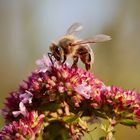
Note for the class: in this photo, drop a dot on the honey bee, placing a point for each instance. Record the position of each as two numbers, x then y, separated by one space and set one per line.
69 45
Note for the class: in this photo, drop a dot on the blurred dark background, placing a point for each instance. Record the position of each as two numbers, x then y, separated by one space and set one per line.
27 27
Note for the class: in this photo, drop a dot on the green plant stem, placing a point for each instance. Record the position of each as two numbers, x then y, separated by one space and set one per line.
110 129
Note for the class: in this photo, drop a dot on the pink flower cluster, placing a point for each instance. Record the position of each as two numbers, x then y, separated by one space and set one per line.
28 127
114 102
78 88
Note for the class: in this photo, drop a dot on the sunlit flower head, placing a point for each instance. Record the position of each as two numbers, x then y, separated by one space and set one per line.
63 93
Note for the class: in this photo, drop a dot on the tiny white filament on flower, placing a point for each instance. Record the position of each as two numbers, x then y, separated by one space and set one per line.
22 110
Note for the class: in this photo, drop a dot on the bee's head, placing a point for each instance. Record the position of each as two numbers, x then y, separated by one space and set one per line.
57 51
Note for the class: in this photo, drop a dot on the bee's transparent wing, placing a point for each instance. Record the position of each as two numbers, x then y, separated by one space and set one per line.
100 38
95 39
74 28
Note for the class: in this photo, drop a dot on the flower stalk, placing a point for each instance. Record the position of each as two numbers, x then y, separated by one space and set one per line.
109 130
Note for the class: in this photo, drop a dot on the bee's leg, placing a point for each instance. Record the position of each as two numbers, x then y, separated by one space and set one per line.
88 63
88 66
65 57
87 60
50 57
75 61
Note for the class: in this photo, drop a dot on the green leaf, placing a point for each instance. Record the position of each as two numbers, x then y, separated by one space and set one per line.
72 118
52 106
100 114
128 122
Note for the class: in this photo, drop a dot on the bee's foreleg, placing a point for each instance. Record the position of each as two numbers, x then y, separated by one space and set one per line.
50 57
75 61
65 57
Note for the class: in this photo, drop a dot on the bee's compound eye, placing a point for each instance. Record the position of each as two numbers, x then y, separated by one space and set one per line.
59 48
57 53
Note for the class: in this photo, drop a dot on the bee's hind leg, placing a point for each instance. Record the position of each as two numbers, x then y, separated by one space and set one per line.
75 61
88 66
